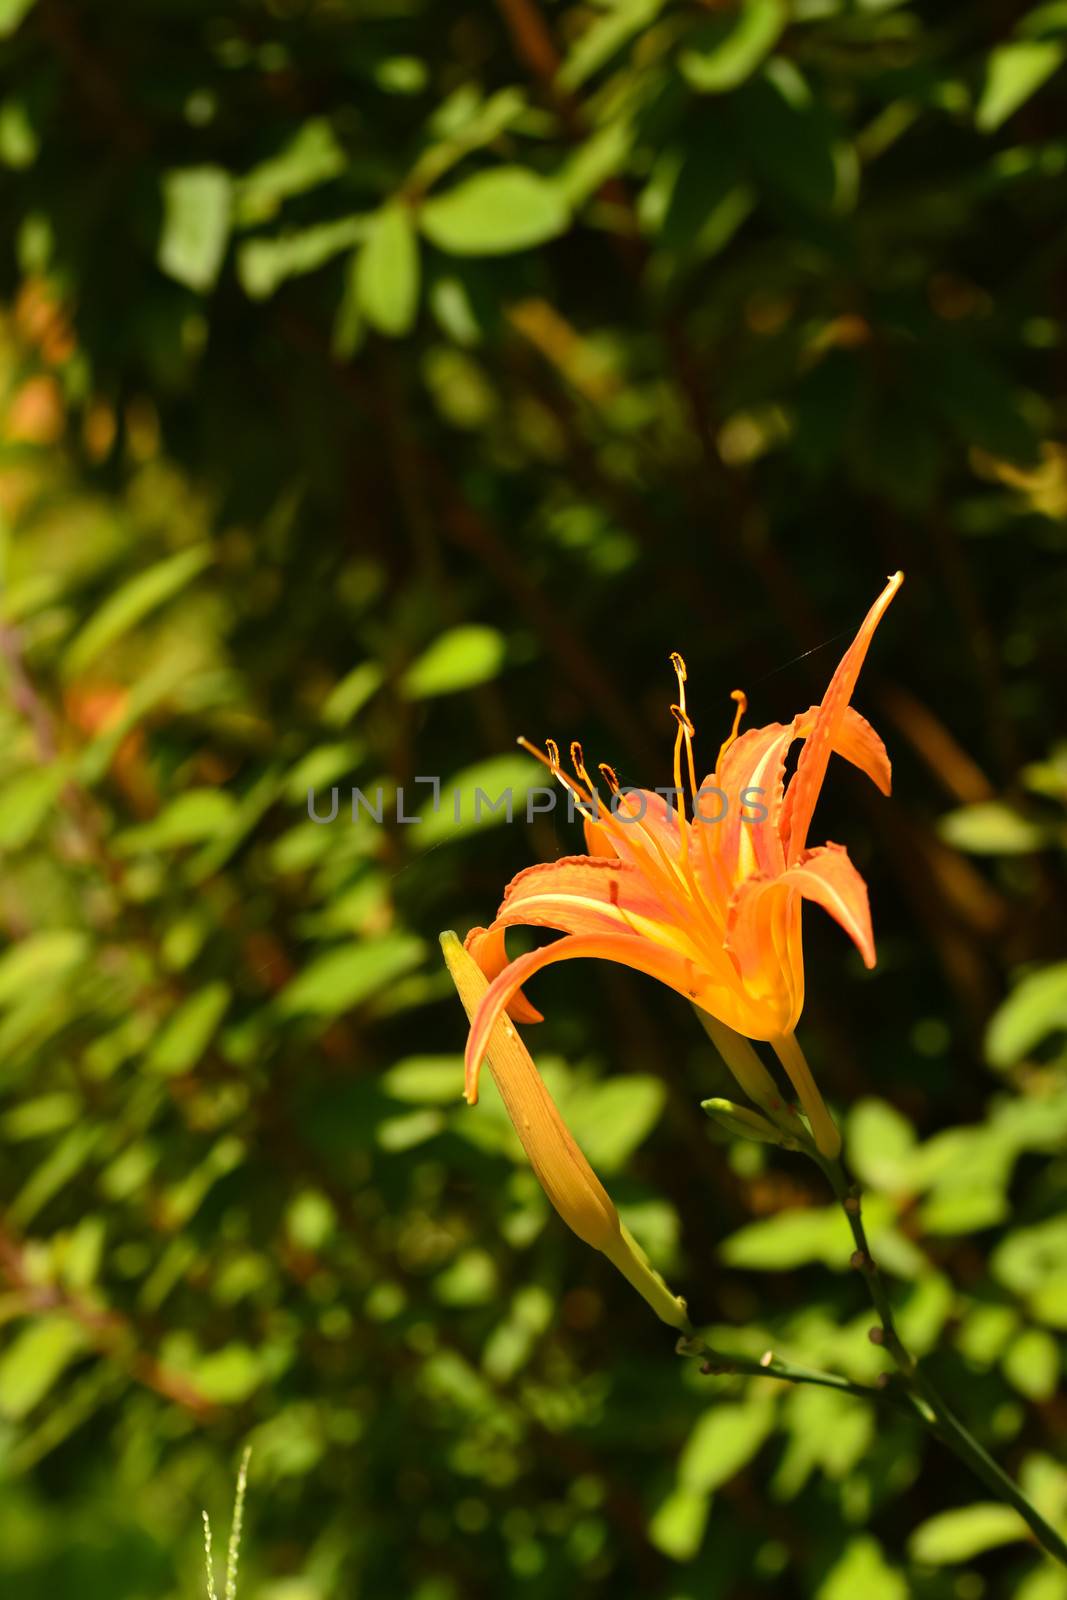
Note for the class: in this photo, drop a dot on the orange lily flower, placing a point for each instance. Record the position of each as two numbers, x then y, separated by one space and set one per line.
710 904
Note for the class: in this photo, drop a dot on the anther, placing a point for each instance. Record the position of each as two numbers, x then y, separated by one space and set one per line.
578 760
553 752
682 718
609 776
679 666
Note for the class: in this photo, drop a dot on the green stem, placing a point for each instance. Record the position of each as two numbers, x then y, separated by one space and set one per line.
927 1400
719 1362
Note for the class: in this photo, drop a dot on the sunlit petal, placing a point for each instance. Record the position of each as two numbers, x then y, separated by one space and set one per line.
811 768
629 950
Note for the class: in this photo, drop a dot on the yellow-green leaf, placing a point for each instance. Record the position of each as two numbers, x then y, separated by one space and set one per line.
131 603
495 213
197 202
388 272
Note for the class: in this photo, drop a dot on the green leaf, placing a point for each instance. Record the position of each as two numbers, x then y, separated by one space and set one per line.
229 1376
677 1526
192 817
26 802
426 1080
196 225
19 142
611 1119
1031 1364
388 272
924 1313
189 1031
604 37
12 13
863 1571
1035 1008
720 55
956 1208
880 1144
348 697
1028 1258
600 157
475 799
991 828
340 979
410 1130
827 1431
1015 71
495 213
1045 1583
45 1114
458 659
470 1280
264 264
1048 1301
34 1362
311 1220
131 603
724 1440
63 1160
312 157
321 768
985 1331
40 959
954 1536
791 1239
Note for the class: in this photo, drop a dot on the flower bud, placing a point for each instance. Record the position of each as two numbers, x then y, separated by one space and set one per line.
560 1167
746 1124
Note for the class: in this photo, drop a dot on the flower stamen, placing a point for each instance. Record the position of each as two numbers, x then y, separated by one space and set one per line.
741 699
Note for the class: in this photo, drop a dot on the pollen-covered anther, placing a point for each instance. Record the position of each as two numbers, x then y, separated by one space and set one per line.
553 753
609 776
740 699
681 716
578 762
679 666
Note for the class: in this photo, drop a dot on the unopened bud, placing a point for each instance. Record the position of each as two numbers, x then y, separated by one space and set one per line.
560 1167
745 1124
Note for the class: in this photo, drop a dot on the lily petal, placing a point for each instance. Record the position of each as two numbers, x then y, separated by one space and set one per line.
811 769
826 876
857 741
756 762
581 894
628 949
487 947
646 824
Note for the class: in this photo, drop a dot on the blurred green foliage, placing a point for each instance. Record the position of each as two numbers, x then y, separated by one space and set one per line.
379 382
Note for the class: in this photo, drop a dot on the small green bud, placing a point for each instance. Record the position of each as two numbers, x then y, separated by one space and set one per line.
746 1124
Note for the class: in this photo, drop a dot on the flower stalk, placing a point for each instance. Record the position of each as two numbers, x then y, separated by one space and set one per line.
926 1398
